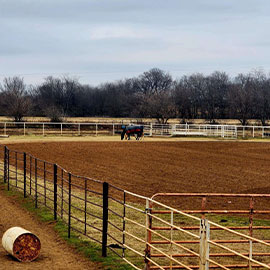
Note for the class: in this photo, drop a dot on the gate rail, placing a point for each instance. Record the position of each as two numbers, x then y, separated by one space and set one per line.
225 243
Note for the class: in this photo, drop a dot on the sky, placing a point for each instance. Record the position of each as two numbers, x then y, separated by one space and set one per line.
97 41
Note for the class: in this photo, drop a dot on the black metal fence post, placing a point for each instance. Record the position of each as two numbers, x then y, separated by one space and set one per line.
85 206
24 175
105 218
69 204
16 168
55 190
124 225
44 183
5 164
62 192
30 176
8 167
36 191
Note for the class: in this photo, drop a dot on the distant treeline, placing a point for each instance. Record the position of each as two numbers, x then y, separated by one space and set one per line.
153 94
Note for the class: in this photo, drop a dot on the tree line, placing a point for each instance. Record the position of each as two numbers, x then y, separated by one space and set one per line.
153 94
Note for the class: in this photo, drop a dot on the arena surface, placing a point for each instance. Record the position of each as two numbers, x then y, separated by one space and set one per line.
147 167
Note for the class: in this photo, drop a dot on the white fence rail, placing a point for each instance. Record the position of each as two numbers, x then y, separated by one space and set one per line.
44 128
152 129
224 131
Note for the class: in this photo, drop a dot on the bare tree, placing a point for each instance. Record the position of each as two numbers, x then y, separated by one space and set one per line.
241 98
182 99
261 93
194 86
15 98
58 95
153 81
153 91
214 95
162 107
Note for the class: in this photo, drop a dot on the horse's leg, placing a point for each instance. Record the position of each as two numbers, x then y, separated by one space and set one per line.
140 135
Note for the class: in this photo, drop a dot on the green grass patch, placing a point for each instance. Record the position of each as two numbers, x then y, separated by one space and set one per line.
90 250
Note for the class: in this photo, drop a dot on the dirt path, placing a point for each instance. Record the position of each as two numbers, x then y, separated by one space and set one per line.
55 253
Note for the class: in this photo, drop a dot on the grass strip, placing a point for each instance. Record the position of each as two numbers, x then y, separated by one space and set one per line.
90 250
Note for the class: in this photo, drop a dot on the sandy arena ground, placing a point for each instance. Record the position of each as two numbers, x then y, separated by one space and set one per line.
148 167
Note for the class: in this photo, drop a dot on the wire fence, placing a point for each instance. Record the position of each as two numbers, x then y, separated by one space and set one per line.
143 232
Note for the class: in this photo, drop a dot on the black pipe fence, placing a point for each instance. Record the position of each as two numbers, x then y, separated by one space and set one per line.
92 208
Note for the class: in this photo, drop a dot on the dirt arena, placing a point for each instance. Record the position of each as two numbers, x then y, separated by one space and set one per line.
150 167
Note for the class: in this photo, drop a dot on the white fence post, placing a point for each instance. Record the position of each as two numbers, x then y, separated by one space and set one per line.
204 245
148 225
24 129
173 129
171 247
250 254
5 129
151 130
79 129
43 129
96 129
113 130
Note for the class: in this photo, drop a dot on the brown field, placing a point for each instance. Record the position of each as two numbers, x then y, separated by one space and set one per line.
148 167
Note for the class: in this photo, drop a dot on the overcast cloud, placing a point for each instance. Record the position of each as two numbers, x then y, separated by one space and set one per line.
105 40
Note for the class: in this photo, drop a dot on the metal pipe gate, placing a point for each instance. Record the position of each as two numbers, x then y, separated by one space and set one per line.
238 241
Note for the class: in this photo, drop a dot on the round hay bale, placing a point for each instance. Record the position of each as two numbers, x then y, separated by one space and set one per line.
21 244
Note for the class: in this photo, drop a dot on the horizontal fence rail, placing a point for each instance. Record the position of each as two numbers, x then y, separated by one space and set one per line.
60 129
146 233
150 129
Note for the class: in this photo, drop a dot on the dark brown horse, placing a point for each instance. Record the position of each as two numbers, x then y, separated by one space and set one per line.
136 131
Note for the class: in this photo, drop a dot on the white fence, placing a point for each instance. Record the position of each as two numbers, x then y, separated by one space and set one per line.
152 129
45 128
224 131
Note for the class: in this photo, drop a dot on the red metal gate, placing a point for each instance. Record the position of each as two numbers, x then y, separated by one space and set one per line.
241 222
